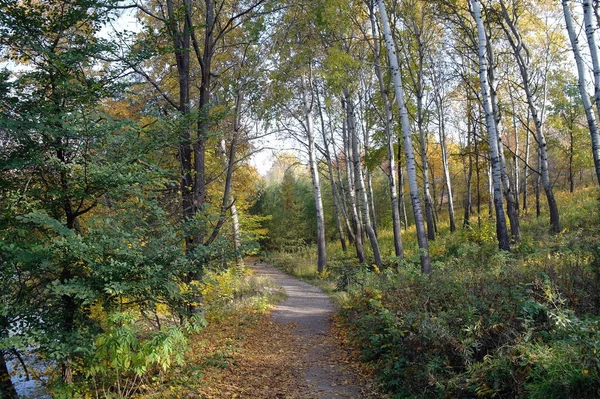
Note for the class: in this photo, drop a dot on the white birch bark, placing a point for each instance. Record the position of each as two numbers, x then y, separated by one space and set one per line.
591 119
233 210
334 191
314 172
356 222
511 203
361 191
408 148
501 228
517 45
392 178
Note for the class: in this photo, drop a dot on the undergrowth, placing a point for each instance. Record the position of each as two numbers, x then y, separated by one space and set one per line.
143 356
235 300
485 323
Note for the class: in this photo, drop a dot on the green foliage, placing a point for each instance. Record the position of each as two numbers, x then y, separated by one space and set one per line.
290 205
125 356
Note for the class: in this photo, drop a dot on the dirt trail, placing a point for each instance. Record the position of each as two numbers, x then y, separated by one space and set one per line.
325 374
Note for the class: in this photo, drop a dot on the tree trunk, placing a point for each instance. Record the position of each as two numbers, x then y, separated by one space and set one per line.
314 172
501 228
511 203
181 43
468 171
401 197
342 196
538 178
477 168
7 389
371 197
396 226
356 223
202 131
424 162
571 156
581 72
516 170
525 168
408 149
334 192
517 45
490 176
445 164
361 191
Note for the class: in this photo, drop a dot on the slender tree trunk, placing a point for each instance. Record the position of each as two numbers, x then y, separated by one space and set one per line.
525 168
342 195
401 196
445 164
538 178
425 167
371 197
314 172
334 193
516 157
469 171
408 149
517 45
571 156
365 171
501 228
581 72
237 241
396 225
477 168
590 31
229 201
361 191
357 224
511 203
490 175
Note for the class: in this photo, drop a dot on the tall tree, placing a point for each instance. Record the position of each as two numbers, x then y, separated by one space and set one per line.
359 177
520 51
581 72
406 133
389 134
501 228
420 29
308 102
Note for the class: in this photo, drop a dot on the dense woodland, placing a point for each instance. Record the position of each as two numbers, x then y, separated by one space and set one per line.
444 186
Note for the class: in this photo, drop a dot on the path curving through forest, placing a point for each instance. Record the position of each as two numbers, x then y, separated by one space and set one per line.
326 375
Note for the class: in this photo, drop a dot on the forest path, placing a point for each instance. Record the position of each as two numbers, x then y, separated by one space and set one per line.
325 372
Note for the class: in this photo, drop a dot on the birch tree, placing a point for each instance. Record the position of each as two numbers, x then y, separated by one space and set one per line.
389 134
590 31
521 54
582 83
308 102
419 28
406 133
511 202
359 178
501 228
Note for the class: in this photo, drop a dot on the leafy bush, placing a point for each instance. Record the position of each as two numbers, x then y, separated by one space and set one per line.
125 357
